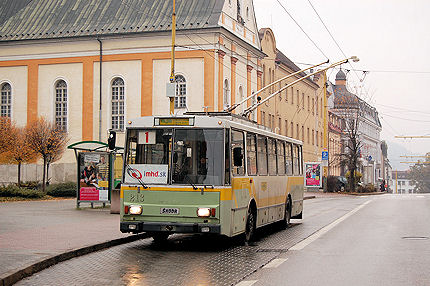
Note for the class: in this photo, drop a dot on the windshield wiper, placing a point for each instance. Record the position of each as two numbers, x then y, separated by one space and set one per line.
130 170
190 181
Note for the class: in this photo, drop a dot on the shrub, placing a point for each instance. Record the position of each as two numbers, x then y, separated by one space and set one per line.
32 185
67 189
15 191
331 184
368 188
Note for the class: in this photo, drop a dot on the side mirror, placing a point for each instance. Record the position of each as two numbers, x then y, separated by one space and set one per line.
237 157
111 140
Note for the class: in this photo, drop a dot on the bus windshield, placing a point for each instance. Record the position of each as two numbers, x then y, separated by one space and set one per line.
197 157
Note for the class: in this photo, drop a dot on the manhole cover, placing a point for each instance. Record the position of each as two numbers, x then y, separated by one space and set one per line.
415 237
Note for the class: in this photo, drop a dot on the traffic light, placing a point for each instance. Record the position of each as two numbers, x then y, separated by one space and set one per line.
111 140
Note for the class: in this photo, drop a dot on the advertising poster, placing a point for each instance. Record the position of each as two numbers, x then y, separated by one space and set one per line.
94 173
313 176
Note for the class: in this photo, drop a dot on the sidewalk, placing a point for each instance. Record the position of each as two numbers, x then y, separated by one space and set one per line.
31 232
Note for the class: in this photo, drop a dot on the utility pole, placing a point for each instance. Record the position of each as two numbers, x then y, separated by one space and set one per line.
172 65
325 139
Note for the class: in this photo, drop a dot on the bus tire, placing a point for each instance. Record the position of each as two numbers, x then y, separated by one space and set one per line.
160 237
287 214
250 225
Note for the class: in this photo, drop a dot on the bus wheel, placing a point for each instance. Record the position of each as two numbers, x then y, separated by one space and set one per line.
250 226
287 214
160 237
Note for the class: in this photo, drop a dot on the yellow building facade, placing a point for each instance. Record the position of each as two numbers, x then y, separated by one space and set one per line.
298 111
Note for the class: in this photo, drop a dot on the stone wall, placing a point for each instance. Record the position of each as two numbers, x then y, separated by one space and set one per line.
58 173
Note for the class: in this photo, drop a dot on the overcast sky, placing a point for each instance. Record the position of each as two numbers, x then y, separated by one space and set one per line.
392 40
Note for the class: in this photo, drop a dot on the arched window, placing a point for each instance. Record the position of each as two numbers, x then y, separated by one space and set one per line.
241 96
6 99
226 94
61 105
118 96
181 92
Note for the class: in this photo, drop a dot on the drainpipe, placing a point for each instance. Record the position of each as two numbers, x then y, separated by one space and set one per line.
100 89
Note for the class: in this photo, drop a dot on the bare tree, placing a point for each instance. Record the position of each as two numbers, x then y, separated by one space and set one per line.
350 157
348 107
48 141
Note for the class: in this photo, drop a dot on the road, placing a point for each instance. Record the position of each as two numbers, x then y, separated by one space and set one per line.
378 240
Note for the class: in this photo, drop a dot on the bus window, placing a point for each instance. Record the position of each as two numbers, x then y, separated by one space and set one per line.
149 146
251 152
272 156
288 159
198 156
262 155
227 157
301 159
237 151
296 160
281 157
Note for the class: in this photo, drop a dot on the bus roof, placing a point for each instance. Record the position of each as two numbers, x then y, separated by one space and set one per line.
205 120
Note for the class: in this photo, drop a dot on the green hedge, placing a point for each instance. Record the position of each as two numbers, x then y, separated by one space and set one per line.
62 189
15 191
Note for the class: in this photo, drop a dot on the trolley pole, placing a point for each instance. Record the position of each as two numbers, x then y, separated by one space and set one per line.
172 70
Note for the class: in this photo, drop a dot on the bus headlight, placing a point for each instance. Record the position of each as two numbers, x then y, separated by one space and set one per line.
135 210
203 212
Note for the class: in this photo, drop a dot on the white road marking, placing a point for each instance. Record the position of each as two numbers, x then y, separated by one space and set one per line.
420 197
246 283
275 263
302 244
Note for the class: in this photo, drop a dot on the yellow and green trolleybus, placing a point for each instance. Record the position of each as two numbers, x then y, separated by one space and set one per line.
215 173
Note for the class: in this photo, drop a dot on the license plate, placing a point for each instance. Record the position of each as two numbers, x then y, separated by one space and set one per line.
170 211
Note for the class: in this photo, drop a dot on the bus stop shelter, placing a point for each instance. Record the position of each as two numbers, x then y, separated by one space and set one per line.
95 172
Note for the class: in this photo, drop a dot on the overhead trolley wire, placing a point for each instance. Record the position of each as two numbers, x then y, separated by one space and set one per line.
307 35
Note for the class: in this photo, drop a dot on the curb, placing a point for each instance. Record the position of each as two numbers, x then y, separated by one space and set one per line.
10 279
309 197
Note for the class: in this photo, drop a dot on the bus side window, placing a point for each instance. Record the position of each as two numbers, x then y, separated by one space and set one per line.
281 157
227 157
296 160
301 159
237 145
262 155
251 153
272 156
288 159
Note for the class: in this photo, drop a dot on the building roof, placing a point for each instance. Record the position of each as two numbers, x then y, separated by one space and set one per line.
340 75
282 58
51 19
343 99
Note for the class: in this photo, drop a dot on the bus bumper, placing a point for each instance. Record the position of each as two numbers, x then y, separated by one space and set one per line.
136 227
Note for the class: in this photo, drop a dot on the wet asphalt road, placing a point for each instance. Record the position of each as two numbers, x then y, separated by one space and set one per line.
371 243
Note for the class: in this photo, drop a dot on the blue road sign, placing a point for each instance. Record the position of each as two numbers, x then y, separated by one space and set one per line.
324 155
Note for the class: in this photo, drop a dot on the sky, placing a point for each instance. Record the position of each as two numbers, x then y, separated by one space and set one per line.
392 40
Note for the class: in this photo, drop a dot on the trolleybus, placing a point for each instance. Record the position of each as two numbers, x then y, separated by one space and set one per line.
216 173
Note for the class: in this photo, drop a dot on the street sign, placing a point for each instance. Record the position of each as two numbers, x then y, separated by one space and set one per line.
324 155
